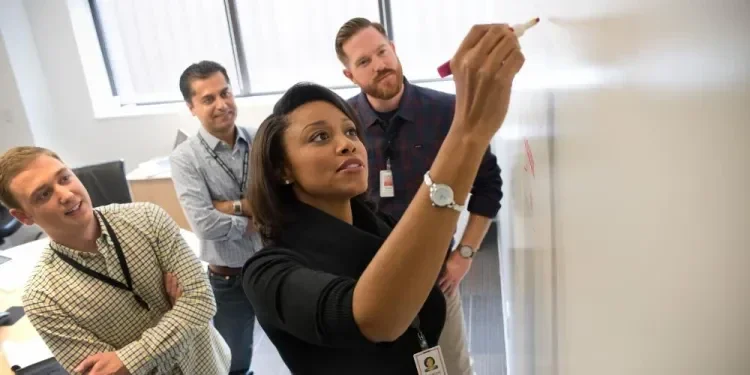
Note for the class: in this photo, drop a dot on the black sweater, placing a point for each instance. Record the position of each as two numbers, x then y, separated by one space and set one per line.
302 290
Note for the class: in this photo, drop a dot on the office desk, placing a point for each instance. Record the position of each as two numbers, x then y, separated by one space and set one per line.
152 182
20 344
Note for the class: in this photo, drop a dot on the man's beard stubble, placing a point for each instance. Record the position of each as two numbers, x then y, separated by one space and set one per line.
380 91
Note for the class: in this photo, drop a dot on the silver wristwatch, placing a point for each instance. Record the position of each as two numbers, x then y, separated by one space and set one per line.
466 251
237 206
441 195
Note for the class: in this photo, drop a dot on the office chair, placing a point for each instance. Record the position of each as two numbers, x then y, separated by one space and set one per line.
106 182
49 366
8 224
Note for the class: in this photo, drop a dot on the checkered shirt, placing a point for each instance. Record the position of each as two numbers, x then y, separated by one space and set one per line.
78 315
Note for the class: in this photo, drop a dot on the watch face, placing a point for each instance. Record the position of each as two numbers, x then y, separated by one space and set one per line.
442 195
466 251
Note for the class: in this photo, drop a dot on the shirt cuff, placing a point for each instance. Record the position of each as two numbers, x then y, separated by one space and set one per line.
483 206
239 227
136 359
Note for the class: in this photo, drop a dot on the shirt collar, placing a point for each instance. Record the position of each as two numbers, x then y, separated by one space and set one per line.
406 109
213 142
102 242
310 229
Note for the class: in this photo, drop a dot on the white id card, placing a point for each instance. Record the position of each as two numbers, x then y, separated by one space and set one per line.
430 362
386 183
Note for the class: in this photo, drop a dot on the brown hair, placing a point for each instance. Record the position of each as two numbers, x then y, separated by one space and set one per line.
272 199
349 29
12 163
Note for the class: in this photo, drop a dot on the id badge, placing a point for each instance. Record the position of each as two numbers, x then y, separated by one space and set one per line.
430 362
386 183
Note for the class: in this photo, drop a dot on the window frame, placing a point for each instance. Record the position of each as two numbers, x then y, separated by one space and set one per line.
106 103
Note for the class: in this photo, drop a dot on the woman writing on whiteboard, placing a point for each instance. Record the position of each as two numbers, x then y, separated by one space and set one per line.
337 289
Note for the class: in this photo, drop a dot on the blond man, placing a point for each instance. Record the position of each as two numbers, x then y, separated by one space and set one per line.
99 296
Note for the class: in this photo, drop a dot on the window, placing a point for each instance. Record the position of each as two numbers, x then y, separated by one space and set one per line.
148 44
428 33
283 47
266 46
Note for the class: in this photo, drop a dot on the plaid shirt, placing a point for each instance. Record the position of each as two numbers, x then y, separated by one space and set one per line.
416 131
78 316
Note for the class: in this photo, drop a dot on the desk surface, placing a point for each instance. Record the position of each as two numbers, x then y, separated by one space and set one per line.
157 168
20 344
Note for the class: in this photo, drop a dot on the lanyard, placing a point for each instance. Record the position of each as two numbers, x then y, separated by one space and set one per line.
391 132
104 278
240 183
422 340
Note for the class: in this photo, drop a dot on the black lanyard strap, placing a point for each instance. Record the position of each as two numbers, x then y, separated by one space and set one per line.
225 167
391 132
104 278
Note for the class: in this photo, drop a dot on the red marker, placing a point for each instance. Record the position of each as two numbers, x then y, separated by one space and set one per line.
445 69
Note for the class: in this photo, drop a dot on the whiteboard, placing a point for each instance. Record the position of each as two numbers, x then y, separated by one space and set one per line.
624 232
525 231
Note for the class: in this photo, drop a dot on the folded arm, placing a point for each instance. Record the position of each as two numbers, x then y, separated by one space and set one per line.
70 343
207 222
227 207
191 313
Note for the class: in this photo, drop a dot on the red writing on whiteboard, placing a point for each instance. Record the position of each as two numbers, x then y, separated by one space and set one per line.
530 157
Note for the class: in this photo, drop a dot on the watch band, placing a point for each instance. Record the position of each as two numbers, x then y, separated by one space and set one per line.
237 206
438 193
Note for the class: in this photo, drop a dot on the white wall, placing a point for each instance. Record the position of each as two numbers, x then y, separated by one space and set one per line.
639 263
30 80
14 127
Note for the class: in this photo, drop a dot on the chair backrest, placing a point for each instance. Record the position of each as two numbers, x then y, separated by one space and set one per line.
106 182
8 224
182 136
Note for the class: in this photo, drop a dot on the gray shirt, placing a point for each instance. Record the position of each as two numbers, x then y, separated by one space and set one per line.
199 179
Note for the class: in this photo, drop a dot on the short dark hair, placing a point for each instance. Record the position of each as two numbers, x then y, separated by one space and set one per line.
349 29
199 70
271 198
